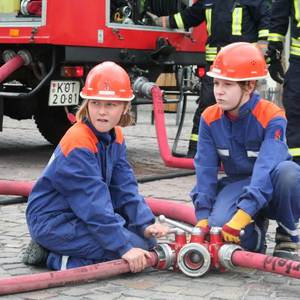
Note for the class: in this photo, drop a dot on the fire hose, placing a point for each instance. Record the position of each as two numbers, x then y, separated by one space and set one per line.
13 62
148 89
191 252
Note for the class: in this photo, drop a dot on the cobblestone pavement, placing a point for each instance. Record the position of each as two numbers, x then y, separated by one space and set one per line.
24 153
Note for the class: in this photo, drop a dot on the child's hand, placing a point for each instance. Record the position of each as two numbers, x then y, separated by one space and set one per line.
137 259
156 230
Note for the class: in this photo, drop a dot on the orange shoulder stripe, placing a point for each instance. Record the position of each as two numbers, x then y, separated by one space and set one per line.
212 113
266 111
78 136
119 135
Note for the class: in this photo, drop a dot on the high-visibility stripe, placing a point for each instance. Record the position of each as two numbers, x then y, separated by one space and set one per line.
64 262
208 20
295 47
178 21
290 232
194 137
223 152
295 51
237 17
297 11
294 151
252 153
276 37
295 42
263 33
210 53
210 57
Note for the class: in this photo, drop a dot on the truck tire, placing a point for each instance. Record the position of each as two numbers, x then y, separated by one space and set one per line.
52 123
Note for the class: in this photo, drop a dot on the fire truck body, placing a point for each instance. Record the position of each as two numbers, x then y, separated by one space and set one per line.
61 40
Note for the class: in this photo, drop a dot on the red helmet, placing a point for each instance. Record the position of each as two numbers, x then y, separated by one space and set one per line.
107 81
239 62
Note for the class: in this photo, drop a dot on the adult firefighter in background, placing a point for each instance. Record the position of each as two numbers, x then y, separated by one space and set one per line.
226 22
282 10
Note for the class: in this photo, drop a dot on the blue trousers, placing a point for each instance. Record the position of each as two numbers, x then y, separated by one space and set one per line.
83 249
284 207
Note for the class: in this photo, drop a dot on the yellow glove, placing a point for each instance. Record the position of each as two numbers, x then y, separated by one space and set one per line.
231 231
203 225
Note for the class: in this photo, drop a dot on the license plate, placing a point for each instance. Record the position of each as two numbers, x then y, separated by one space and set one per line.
64 93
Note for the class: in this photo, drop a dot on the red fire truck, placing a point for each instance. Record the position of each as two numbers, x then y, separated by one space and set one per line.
59 41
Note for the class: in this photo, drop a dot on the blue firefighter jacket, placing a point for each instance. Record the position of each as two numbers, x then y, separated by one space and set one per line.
251 145
88 177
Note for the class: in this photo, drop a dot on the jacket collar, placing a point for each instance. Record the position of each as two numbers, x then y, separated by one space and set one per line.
105 137
247 107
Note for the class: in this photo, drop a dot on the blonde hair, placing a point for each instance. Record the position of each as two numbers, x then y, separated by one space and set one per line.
83 112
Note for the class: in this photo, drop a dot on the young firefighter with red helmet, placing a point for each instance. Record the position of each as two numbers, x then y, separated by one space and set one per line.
85 208
247 135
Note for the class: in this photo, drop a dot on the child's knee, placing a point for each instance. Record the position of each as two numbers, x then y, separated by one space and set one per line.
288 173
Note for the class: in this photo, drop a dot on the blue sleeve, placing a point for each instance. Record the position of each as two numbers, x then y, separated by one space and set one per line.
206 165
273 150
124 193
78 178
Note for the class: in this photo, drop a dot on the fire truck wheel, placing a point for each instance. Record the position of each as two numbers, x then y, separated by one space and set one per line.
52 123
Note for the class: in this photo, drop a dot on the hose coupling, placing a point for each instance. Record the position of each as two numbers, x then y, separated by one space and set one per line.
225 254
142 87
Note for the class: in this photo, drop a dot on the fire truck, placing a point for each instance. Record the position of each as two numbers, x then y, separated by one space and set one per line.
47 48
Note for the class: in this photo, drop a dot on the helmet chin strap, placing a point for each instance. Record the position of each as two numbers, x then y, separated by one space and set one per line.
237 105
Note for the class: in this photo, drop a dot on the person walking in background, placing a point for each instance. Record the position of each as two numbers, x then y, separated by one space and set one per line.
227 21
282 12
85 208
247 135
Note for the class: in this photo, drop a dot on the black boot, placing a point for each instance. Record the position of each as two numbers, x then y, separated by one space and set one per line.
285 247
35 255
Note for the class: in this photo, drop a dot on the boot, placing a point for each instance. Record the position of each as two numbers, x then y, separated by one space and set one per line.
285 247
263 225
35 255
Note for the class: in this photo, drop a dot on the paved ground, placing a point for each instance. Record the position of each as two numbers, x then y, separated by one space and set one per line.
24 153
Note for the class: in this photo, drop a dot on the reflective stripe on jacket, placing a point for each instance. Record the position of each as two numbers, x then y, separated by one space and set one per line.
226 21
88 178
282 10
251 145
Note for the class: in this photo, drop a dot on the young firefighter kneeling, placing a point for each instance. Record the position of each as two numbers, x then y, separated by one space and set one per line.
85 208
247 135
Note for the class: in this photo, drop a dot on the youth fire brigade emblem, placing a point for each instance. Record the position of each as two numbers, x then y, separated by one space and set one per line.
106 86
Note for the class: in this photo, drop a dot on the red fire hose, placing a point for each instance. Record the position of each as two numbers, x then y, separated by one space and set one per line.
172 209
229 255
165 153
16 188
32 282
266 263
10 66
